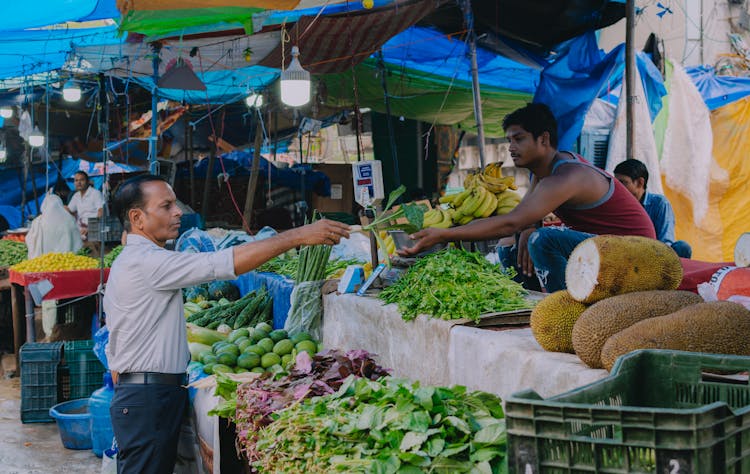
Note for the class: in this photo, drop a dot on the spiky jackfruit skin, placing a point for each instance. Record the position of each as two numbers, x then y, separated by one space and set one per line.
552 321
719 327
609 316
624 264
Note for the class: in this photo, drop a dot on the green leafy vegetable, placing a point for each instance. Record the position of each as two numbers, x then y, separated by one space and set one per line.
383 427
455 284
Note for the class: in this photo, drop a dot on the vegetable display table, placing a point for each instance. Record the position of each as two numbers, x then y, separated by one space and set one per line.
65 284
438 352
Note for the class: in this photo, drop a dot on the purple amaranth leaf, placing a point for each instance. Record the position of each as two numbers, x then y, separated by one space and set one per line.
303 363
301 390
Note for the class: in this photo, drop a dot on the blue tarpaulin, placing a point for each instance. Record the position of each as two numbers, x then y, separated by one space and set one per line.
38 13
718 90
238 163
28 52
222 86
580 74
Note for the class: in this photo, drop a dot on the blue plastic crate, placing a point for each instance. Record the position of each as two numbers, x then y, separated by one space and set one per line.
84 368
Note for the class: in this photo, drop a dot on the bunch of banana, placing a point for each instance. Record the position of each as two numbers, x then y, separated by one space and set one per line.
437 217
506 202
477 204
390 245
493 170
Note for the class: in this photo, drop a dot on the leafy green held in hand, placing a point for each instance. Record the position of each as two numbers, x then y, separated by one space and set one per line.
414 214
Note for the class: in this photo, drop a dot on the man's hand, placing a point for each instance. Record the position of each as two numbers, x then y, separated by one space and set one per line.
524 258
323 232
425 238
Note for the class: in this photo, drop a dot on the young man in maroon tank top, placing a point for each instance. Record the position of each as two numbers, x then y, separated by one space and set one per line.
587 200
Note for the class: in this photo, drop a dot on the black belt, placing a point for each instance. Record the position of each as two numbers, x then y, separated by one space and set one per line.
145 378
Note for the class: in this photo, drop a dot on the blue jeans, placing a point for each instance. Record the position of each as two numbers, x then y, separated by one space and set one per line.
550 248
682 249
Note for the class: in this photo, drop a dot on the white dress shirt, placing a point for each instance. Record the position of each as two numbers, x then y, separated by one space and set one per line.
86 205
143 304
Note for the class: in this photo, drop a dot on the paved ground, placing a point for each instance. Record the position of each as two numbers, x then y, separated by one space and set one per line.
35 448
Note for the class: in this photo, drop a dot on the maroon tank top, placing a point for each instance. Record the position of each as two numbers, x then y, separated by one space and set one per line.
616 213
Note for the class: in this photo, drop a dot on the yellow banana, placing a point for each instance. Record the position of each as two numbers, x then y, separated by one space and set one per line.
483 202
461 197
465 220
502 210
449 198
472 204
432 216
445 222
489 207
470 180
508 197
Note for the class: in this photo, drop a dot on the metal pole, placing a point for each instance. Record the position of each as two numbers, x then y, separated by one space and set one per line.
104 130
153 164
630 78
389 122
478 118
189 151
252 182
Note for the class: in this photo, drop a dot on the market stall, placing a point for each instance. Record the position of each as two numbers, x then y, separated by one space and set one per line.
438 352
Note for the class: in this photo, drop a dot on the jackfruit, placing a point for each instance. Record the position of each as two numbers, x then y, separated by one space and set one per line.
719 327
552 321
608 265
609 316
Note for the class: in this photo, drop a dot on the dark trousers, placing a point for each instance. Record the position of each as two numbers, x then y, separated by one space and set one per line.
146 420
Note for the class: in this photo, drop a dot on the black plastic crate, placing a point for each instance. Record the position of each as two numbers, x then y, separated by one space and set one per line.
40 389
84 368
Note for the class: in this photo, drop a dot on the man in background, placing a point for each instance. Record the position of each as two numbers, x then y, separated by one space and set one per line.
86 202
633 174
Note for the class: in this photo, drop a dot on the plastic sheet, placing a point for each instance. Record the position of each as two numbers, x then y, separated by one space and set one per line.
279 287
306 313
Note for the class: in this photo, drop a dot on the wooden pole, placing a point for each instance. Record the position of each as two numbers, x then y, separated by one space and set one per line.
252 183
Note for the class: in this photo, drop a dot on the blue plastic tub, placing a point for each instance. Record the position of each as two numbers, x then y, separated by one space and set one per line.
73 422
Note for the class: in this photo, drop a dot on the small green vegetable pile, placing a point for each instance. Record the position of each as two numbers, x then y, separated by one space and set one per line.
455 284
12 252
111 256
289 264
387 426
251 309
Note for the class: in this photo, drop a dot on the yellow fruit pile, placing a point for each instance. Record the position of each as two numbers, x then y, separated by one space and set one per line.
390 245
485 194
56 262
438 217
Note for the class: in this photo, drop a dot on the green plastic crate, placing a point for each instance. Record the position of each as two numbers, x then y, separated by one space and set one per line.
657 412
40 389
84 368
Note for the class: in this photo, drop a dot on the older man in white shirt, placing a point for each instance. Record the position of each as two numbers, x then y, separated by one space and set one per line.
148 352
86 202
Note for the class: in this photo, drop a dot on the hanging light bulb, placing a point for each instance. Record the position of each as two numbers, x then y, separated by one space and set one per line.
3 154
295 82
36 137
71 91
254 100
6 112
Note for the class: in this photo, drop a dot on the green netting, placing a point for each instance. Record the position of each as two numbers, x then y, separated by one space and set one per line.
419 96
162 22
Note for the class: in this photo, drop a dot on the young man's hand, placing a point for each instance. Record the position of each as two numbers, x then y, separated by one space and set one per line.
425 239
524 258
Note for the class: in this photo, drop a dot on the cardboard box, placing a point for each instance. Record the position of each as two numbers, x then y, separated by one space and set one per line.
342 189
